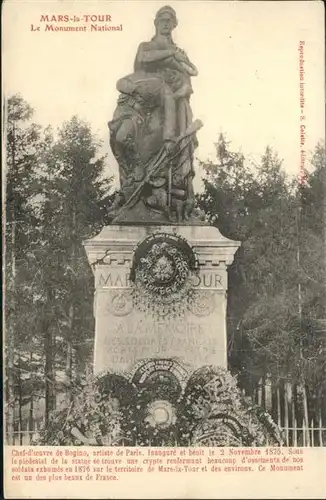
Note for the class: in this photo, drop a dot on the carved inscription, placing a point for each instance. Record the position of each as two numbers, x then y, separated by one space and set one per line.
116 278
156 329
128 344
207 280
143 339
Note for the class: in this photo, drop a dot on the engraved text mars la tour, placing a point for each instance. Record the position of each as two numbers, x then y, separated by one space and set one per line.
117 280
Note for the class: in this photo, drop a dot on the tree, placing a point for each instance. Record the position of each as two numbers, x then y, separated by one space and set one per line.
272 283
54 190
312 260
23 149
72 187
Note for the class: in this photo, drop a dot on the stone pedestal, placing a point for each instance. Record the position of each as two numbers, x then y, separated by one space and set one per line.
125 335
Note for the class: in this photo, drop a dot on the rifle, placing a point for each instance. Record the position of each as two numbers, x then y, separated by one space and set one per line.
154 165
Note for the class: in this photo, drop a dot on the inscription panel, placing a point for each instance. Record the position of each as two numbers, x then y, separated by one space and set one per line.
124 335
117 277
112 277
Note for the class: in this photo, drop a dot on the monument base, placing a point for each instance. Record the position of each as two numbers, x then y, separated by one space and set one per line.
142 213
160 359
174 308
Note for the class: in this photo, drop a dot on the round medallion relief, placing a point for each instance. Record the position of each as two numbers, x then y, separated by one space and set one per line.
121 303
203 303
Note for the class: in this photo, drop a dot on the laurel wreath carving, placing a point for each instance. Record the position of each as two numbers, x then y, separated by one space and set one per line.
164 270
163 279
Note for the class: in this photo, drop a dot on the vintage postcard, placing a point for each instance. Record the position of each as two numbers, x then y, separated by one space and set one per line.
164 231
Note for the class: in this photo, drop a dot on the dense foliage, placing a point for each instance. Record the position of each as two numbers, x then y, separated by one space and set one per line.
276 297
54 188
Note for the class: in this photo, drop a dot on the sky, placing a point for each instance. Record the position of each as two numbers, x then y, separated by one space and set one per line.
247 55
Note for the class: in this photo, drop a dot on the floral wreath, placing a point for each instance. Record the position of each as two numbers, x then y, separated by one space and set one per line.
161 272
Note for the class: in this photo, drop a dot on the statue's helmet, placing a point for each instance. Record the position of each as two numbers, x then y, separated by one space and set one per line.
167 10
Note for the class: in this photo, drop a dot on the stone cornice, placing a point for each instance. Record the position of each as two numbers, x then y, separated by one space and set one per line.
116 244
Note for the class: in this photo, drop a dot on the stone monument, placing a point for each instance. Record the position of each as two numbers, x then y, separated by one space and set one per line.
160 354
160 272
160 293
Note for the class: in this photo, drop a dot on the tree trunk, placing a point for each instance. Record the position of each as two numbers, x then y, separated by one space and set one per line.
10 400
263 390
71 312
324 234
10 338
10 396
31 401
20 402
274 408
305 414
10 341
50 401
69 360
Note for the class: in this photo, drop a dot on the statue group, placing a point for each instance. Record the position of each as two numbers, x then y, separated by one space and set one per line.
152 133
